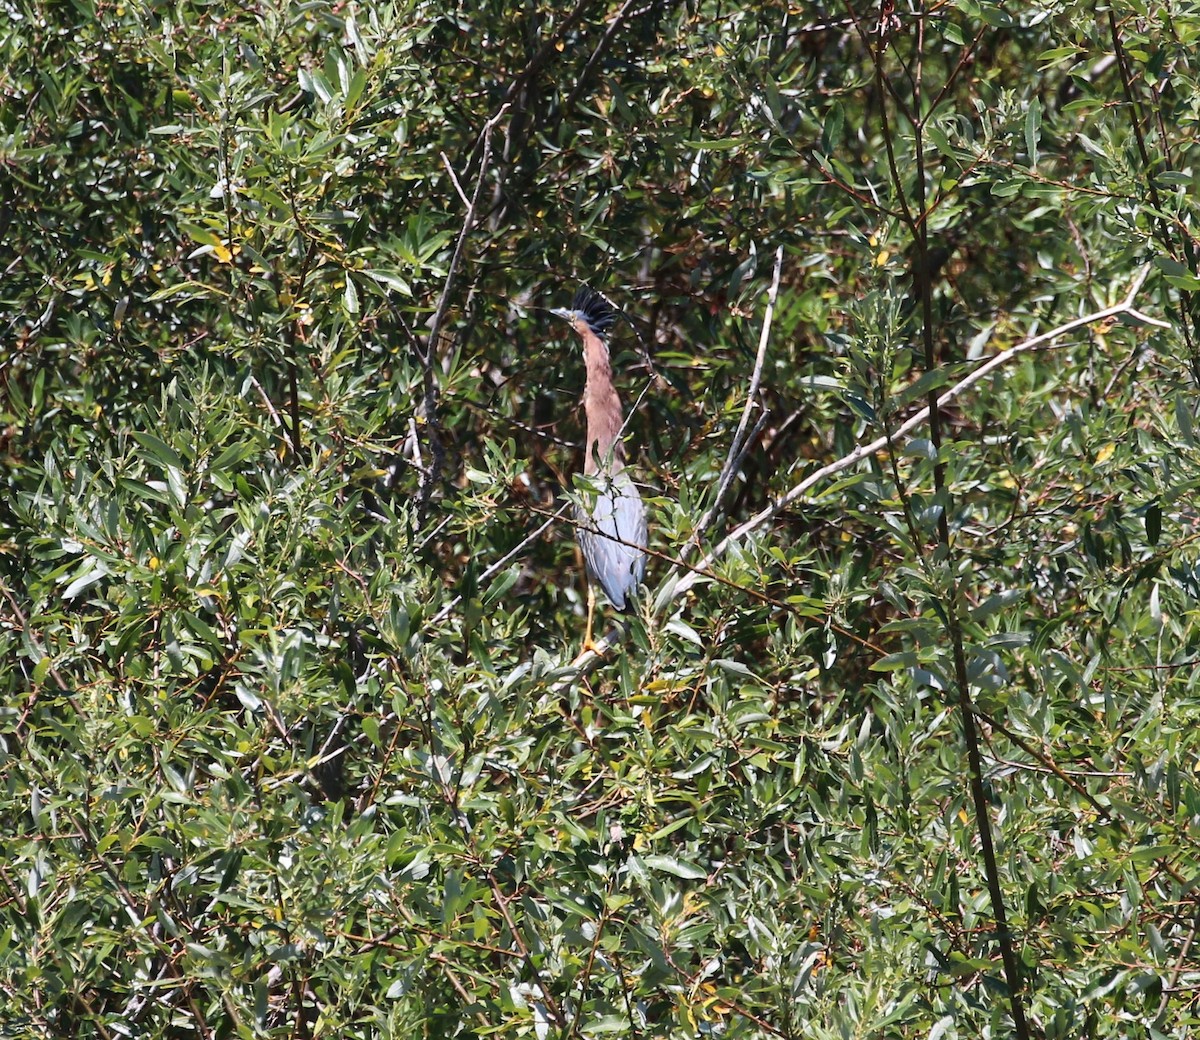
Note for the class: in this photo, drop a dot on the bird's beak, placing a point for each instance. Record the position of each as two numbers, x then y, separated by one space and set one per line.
562 312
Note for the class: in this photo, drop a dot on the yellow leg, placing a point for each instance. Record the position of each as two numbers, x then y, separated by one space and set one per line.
588 645
587 637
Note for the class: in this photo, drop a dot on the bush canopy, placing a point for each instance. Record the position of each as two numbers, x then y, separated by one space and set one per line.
902 735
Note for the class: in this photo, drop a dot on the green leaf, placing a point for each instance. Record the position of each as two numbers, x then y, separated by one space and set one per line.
1055 55
670 865
1153 520
1033 130
159 450
390 280
995 16
93 573
831 131
41 670
183 292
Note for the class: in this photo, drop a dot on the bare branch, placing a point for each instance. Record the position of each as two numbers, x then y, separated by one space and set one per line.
1125 307
468 223
597 54
503 562
454 180
739 437
430 477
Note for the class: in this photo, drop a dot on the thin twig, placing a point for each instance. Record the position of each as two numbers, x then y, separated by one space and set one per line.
863 451
1177 968
597 54
1161 229
292 337
468 223
950 595
751 439
415 441
503 562
739 436
454 180
267 402
430 478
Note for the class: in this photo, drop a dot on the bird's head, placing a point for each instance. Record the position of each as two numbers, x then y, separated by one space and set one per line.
589 311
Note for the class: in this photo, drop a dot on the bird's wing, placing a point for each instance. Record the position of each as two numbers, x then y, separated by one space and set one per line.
630 521
617 513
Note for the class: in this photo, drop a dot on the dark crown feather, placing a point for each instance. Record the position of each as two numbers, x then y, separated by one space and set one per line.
596 309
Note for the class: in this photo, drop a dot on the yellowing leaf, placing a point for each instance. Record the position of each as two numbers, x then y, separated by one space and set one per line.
1105 453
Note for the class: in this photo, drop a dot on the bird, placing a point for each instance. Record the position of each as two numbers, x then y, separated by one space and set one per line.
612 528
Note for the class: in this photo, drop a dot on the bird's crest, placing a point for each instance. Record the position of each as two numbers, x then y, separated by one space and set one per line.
596 309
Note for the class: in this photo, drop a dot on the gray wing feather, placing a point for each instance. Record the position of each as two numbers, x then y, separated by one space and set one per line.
617 512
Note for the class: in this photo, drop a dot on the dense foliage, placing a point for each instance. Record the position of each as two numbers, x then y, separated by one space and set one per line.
295 741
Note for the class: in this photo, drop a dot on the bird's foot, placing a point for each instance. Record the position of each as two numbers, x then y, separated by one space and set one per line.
590 646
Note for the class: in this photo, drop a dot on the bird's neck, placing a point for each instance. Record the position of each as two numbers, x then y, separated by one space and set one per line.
603 450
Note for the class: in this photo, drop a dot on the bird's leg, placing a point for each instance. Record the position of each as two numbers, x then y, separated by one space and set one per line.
588 645
587 636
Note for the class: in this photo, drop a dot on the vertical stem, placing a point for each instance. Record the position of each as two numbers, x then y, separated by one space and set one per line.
942 495
294 401
293 339
916 218
429 355
1161 230
293 363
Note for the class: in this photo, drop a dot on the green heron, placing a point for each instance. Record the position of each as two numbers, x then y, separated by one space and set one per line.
612 532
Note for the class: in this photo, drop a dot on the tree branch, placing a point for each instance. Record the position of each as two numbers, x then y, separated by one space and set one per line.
1125 307
430 478
739 437
504 561
597 54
